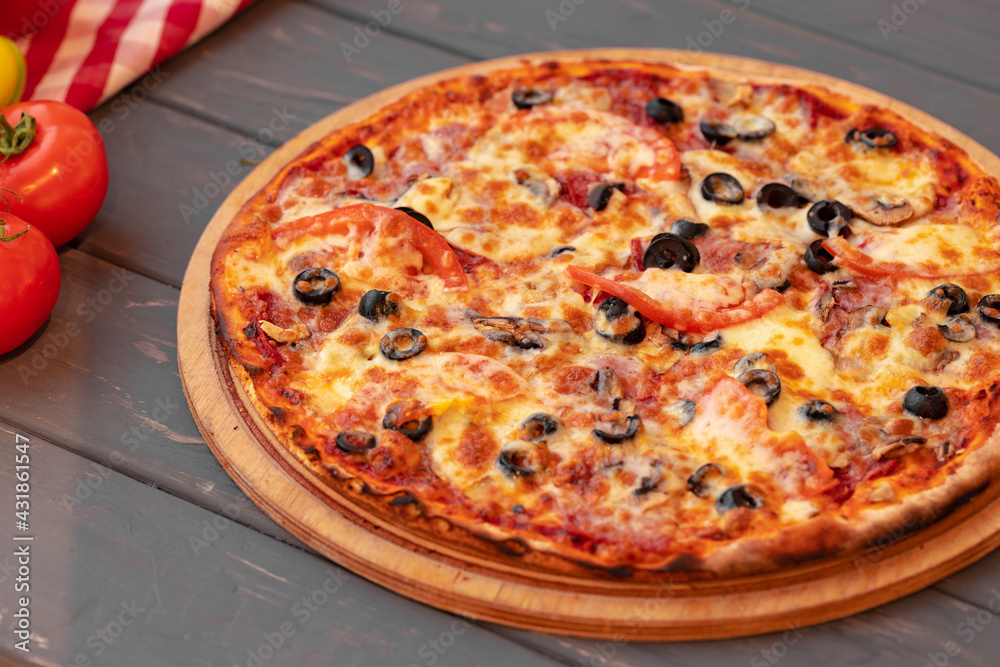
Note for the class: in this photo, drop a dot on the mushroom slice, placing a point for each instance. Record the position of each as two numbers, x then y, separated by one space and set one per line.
522 332
731 93
825 305
882 210
607 385
867 316
541 185
945 358
279 335
897 446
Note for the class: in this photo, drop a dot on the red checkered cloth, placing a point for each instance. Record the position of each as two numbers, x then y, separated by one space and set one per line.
84 51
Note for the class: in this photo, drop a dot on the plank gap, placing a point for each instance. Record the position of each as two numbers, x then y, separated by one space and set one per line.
206 118
885 53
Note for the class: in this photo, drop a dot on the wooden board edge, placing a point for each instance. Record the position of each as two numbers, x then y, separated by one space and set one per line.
901 571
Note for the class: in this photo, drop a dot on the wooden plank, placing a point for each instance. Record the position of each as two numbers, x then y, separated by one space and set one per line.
169 172
123 574
484 29
288 56
978 584
101 379
950 39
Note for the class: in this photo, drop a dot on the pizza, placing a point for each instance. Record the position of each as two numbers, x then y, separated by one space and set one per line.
620 318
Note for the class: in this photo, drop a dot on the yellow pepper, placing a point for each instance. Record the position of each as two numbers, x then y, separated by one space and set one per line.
12 72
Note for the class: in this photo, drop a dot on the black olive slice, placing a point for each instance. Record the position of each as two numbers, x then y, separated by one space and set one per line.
717 132
683 342
354 442
749 362
664 111
777 195
612 318
316 286
525 98
753 127
818 259
741 495
688 229
599 196
698 482
520 459
989 308
762 383
706 346
668 251
819 411
539 425
722 188
416 215
829 217
953 293
618 436
376 304
359 161
402 343
927 402
958 329
398 418
876 137
563 248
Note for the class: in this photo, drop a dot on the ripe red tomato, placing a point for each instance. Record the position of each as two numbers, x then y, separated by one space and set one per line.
29 281
61 178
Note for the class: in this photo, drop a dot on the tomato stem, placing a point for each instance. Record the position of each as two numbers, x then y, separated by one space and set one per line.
3 232
6 199
14 140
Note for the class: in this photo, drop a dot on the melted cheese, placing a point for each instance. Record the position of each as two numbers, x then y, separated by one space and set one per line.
510 199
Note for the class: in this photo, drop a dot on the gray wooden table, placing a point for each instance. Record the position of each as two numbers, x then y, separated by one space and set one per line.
146 553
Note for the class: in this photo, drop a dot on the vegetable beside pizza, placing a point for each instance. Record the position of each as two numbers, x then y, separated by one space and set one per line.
627 317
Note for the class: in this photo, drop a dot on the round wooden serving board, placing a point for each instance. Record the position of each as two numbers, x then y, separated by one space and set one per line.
495 589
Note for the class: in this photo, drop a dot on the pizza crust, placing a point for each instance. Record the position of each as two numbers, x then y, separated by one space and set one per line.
824 539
